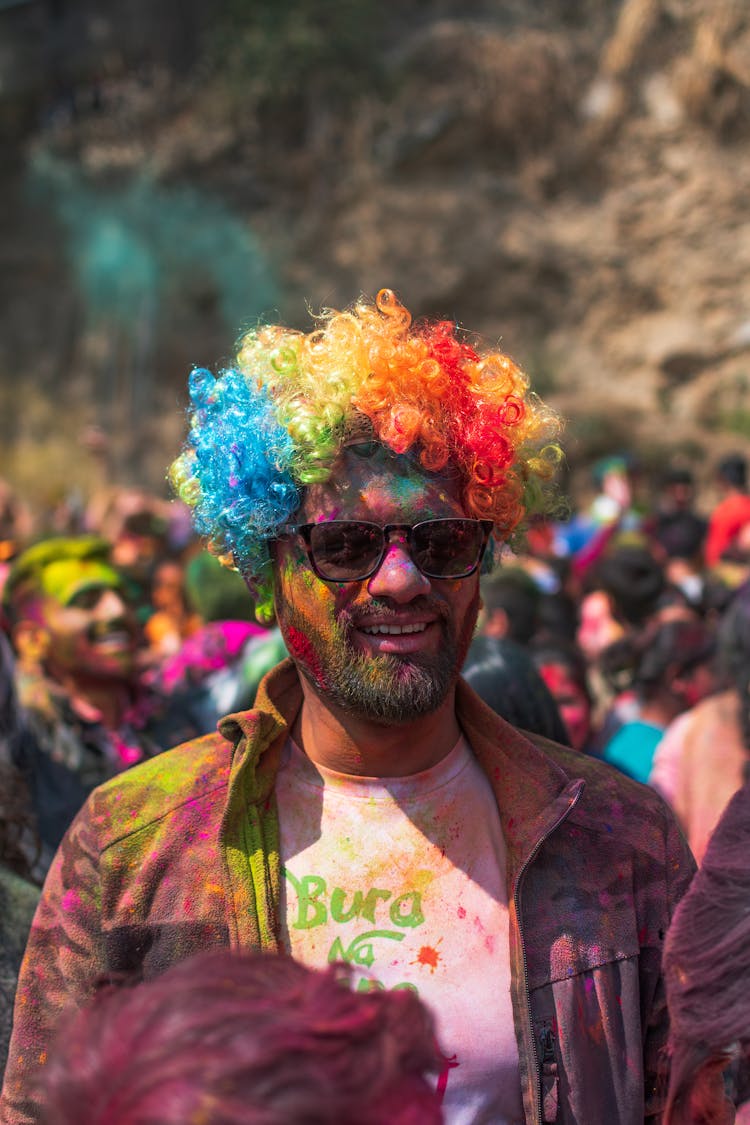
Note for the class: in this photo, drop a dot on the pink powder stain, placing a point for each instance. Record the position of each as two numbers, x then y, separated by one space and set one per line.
461 912
71 900
449 1063
302 648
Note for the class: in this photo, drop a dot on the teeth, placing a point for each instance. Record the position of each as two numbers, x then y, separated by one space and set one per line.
393 630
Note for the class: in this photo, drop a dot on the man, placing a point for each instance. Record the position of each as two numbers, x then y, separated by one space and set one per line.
86 716
679 532
370 808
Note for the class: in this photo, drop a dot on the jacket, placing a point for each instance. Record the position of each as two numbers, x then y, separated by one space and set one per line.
182 853
64 756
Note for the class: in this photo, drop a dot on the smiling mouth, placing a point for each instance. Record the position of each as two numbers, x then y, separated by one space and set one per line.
118 637
393 630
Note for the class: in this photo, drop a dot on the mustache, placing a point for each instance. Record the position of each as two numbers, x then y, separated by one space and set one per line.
384 611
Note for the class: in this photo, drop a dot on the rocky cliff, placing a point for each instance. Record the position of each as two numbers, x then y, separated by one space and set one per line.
570 177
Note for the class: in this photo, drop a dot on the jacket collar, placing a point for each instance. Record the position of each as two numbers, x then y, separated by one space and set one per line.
532 791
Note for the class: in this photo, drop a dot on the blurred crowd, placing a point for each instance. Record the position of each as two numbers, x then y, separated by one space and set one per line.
622 631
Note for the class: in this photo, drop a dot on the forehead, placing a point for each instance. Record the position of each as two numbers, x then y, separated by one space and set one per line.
370 481
65 578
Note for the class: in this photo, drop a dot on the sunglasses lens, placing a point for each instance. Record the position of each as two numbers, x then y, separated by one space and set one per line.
448 548
344 551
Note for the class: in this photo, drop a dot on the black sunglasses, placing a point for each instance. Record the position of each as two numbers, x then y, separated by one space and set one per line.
352 550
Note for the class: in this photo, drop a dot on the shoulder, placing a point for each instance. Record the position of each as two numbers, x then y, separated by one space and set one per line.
153 790
40 696
611 803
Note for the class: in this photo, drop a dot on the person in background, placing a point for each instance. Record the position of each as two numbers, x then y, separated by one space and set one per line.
620 593
16 528
671 669
86 713
510 605
704 755
18 849
245 1039
142 530
172 621
221 665
563 670
707 967
19 893
679 533
732 513
611 514
632 577
502 673
370 807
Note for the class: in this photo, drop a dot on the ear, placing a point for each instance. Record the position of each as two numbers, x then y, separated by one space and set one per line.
31 642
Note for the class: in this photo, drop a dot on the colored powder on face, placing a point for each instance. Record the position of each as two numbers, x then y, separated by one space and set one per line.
301 648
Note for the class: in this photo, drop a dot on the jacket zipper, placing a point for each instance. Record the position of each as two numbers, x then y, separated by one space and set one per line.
517 899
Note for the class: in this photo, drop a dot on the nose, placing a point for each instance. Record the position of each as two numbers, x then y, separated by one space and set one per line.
111 605
398 577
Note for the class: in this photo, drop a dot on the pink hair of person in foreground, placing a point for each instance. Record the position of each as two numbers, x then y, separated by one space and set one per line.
707 967
227 1038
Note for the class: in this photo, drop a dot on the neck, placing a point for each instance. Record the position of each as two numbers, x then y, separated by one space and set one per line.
349 744
660 710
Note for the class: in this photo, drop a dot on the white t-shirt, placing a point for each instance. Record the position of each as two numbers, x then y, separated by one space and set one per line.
404 878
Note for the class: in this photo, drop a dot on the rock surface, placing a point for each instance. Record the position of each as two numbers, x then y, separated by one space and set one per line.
572 178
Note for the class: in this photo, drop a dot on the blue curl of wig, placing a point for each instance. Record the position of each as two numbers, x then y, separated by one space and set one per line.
240 457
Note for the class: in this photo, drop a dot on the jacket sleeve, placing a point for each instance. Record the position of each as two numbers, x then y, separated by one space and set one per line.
679 871
61 966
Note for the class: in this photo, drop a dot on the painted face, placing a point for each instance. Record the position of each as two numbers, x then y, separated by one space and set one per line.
89 626
598 627
571 700
389 647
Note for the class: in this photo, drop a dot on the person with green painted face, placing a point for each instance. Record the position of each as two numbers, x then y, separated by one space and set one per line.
86 714
370 808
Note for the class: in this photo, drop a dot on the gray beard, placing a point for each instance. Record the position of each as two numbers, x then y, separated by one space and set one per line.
401 691
388 689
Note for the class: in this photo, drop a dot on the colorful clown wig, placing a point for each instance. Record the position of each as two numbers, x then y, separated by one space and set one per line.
276 421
